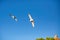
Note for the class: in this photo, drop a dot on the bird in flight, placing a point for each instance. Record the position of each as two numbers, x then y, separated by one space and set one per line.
31 20
13 17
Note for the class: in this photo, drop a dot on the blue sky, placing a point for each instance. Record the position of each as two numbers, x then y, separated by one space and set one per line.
44 12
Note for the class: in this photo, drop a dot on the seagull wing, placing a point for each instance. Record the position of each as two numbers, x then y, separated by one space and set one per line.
29 16
32 23
16 19
12 17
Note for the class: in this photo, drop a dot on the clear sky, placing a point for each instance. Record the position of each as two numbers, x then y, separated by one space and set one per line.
44 12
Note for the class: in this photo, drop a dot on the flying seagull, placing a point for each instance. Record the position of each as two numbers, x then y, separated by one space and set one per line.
13 17
31 19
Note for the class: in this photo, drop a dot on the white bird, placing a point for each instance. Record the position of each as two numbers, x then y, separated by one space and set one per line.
31 19
13 17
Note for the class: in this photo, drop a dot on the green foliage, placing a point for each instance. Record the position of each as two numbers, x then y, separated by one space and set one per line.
47 38
40 39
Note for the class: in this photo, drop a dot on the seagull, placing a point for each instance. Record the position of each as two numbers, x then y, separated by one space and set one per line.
13 17
31 20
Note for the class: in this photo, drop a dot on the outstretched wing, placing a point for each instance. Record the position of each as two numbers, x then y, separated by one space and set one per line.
13 17
32 23
29 16
16 19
